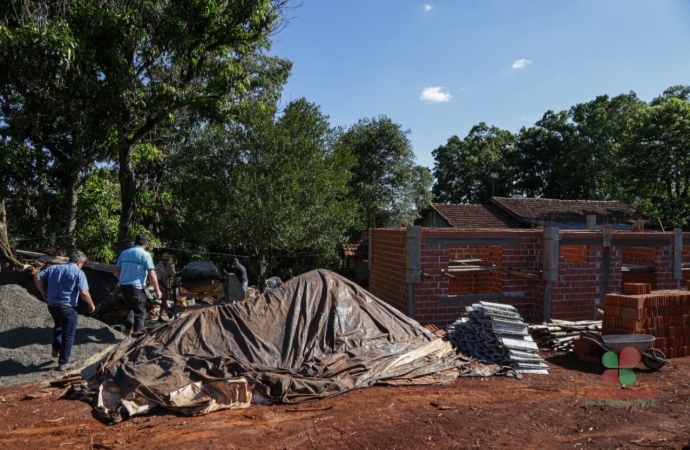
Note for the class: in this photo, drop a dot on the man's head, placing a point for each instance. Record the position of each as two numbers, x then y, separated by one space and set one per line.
78 258
235 262
165 258
141 240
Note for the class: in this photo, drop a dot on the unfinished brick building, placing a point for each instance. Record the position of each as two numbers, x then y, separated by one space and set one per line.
431 274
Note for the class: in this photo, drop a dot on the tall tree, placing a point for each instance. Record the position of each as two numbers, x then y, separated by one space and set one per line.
475 168
267 185
150 60
657 162
47 88
387 184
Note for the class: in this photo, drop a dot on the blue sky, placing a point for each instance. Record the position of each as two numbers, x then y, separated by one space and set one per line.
440 67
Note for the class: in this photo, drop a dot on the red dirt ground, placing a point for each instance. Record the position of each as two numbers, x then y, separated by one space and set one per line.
545 412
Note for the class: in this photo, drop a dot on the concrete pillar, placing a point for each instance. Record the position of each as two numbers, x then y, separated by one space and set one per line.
550 266
677 256
606 243
592 222
413 265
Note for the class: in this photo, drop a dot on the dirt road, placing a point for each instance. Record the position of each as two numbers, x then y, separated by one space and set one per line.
546 412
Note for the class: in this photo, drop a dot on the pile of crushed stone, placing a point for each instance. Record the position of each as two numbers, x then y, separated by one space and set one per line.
26 333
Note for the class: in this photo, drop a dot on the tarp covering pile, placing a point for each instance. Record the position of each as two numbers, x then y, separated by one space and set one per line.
316 336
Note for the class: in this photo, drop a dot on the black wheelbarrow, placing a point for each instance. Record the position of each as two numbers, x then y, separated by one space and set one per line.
652 358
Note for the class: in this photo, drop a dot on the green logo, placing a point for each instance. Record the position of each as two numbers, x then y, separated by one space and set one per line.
619 366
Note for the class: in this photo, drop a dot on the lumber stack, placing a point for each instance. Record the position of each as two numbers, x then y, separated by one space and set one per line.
662 314
561 335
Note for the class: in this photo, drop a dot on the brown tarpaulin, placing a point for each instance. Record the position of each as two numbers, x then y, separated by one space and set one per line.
316 336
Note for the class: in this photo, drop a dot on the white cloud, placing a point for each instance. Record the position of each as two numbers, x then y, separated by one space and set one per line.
435 94
428 7
521 63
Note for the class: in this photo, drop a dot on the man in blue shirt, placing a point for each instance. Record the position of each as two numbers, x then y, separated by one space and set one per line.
61 287
133 267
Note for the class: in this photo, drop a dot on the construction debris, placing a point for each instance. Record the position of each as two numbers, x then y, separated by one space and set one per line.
498 334
560 335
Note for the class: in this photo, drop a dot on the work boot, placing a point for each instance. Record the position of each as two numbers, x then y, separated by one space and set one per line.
65 366
55 354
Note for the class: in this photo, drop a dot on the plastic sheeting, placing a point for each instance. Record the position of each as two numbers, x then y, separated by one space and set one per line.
316 336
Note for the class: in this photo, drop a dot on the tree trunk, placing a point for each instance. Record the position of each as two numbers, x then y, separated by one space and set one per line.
128 191
7 260
3 223
71 220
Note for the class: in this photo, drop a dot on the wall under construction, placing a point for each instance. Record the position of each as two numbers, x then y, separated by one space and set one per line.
432 274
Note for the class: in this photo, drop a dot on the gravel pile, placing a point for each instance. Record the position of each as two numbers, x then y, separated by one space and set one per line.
26 333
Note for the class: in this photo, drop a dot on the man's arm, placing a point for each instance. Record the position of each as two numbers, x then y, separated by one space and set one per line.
41 286
86 296
116 272
154 282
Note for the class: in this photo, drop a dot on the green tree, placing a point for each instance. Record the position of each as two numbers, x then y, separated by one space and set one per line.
463 168
46 92
657 161
388 186
267 185
141 62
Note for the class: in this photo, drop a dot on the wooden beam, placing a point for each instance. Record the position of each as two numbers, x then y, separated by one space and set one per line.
480 297
529 276
495 241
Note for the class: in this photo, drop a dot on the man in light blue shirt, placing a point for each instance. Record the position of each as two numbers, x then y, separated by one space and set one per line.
61 286
133 267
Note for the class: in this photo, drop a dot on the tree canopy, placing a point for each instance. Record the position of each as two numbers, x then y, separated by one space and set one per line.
389 187
268 185
609 148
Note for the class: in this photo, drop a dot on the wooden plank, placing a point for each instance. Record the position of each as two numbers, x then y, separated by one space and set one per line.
529 276
637 268
465 261
480 297
496 241
473 269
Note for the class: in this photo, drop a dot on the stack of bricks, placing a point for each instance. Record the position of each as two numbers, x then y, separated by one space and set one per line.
588 351
662 314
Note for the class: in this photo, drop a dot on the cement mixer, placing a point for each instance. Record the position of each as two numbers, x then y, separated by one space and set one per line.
203 280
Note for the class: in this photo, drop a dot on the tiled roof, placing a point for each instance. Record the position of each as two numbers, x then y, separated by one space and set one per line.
567 211
476 216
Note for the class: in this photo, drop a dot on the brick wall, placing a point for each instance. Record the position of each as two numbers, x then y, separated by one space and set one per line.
387 274
481 282
576 293
574 253
639 255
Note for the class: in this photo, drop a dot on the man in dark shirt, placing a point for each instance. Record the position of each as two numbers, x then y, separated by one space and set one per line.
61 286
241 273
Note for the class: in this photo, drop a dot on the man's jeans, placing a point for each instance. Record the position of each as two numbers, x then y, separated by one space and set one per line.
65 318
135 299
